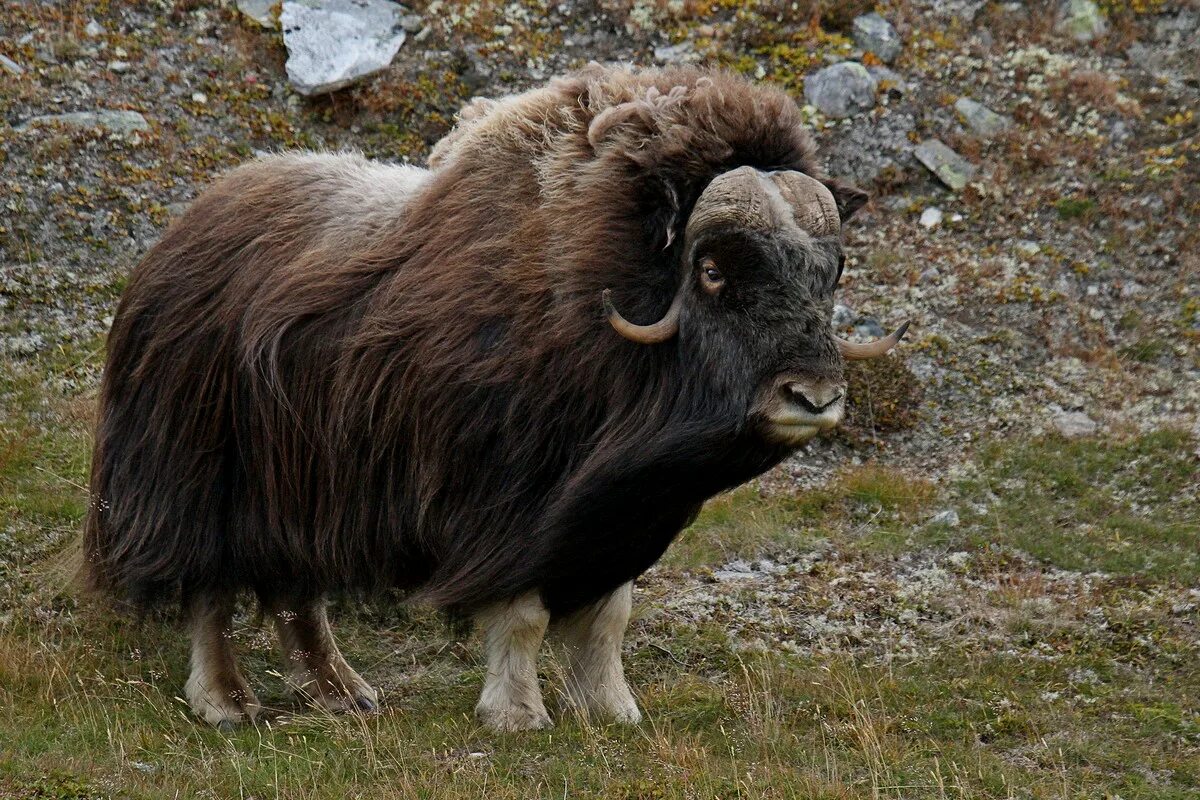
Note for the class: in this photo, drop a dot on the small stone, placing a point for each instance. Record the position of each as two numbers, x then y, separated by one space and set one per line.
334 43
93 29
121 123
412 22
1081 20
929 275
869 328
260 12
947 518
1027 248
199 97
931 217
681 53
10 66
1074 424
118 66
841 90
980 119
876 35
843 317
950 168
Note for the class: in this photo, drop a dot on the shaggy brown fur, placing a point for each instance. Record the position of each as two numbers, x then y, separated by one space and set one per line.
322 377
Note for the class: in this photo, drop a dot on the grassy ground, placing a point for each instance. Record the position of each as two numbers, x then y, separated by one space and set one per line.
1048 647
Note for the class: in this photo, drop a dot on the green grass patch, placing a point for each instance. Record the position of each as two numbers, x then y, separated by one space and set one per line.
1122 506
1070 208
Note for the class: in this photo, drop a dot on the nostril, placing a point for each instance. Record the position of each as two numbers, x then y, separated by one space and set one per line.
811 399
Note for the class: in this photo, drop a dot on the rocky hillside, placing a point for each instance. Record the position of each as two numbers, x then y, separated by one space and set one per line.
1034 166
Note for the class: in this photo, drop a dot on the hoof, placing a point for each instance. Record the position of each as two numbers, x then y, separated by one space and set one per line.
366 705
227 726
514 718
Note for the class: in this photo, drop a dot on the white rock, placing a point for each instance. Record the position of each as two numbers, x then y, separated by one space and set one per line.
199 97
118 122
10 66
260 12
1081 20
94 29
1073 424
931 217
949 518
334 43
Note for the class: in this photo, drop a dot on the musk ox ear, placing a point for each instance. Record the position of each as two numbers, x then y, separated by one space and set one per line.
848 198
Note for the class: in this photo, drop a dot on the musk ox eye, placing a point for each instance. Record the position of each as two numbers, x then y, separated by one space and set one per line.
711 279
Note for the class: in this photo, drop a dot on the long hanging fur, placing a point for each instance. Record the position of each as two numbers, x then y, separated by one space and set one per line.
331 374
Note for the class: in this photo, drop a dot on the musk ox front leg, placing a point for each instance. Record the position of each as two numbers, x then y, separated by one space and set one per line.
592 639
215 689
513 631
316 668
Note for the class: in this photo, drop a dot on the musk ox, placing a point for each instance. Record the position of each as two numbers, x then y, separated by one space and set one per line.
335 375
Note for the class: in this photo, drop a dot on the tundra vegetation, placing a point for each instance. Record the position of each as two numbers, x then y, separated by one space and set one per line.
830 631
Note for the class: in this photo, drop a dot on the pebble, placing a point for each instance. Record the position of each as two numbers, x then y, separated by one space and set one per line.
876 35
843 317
950 168
1074 424
949 518
980 119
931 217
332 44
1027 248
118 66
199 97
841 90
10 66
93 29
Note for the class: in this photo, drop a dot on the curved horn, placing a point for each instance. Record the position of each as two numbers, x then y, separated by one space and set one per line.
853 351
656 332
812 204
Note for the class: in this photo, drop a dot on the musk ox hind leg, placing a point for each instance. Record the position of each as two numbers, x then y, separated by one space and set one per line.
591 638
316 668
513 632
215 689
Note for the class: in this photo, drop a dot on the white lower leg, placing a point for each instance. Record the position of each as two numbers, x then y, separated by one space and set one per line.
513 631
592 640
215 689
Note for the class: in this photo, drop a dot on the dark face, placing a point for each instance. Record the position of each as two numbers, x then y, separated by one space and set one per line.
761 304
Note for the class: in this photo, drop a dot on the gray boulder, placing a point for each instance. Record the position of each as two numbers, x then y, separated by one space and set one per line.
334 43
950 168
980 119
876 35
841 90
